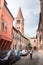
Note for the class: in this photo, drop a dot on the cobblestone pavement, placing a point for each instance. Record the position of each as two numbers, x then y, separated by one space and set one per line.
40 57
26 60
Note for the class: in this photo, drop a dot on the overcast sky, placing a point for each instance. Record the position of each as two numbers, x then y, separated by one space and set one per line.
30 10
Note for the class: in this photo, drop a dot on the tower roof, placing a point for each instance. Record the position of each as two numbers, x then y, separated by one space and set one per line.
19 15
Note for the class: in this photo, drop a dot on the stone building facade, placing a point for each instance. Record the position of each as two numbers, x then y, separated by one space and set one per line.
33 42
40 28
19 40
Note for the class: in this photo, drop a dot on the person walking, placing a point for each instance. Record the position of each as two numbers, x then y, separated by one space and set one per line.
31 52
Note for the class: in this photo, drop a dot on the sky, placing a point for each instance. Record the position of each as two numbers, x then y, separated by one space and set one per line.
30 10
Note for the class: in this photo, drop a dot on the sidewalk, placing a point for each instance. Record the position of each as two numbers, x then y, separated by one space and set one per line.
40 57
41 52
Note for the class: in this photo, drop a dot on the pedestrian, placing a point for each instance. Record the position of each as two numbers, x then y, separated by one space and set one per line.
31 54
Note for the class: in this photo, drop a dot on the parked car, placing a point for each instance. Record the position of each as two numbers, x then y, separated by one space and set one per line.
12 58
28 51
6 57
23 52
3 58
17 54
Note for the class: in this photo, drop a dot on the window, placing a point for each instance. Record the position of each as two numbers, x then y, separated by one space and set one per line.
35 41
4 25
18 21
40 37
36 36
18 28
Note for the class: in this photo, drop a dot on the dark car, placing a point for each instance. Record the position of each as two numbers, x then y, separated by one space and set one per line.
7 58
3 58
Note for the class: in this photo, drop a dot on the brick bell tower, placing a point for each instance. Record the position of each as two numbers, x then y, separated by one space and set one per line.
19 22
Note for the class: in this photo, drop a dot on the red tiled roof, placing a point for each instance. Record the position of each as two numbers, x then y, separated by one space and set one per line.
19 15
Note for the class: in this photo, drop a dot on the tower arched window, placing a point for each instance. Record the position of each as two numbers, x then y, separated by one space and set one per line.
18 21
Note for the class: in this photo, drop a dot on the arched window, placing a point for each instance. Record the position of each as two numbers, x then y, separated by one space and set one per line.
18 21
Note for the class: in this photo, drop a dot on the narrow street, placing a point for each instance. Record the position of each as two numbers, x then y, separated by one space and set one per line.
37 59
40 58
